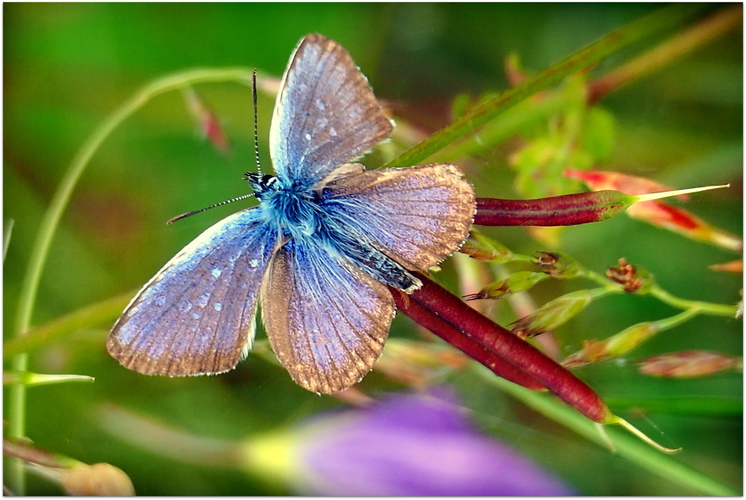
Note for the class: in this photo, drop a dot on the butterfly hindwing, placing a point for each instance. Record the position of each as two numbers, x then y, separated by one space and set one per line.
196 315
327 322
325 114
417 215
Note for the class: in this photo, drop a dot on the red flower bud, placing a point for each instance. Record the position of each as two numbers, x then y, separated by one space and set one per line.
688 364
655 211
208 123
633 279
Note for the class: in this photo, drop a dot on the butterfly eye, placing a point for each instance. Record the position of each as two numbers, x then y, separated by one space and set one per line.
261 183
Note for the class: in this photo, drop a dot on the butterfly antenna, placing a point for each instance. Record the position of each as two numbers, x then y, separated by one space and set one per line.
256 124
193 212
256 155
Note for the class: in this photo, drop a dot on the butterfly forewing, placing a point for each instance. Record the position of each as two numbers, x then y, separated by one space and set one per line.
417 215
326 322
197 313
325 114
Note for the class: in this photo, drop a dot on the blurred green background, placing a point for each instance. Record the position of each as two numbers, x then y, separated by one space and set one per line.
68 66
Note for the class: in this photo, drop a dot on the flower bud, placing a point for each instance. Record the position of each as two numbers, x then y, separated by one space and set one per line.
598 180
632 279
554 313
516 282
657 212
97 480
513 70
558 265
616 345
481 247
208 123
688 364
733 266
416 363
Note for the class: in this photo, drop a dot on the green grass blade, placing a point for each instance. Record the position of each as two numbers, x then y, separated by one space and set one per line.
634 450
652 24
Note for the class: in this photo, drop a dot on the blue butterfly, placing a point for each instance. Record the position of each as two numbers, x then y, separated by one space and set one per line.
321 249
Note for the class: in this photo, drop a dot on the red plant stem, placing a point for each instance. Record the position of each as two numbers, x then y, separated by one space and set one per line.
434 300
33 454
565 210
463 342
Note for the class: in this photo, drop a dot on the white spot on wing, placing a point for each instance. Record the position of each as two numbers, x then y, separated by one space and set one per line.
203 300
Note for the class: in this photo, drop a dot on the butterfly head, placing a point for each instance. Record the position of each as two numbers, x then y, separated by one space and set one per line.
261 184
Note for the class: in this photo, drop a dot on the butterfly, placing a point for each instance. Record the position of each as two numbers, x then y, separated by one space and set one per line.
321 252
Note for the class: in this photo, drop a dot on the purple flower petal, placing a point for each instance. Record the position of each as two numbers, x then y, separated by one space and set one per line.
419 445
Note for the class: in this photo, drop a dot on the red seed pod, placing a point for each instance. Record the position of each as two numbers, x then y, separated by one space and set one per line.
565 210
462 341
446 315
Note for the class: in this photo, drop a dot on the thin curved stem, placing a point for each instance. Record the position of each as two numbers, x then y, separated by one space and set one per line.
726 310
51 220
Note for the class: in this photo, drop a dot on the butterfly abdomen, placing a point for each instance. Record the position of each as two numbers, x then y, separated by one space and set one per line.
351 247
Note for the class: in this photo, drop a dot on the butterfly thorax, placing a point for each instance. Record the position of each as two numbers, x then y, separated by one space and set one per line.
291 209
